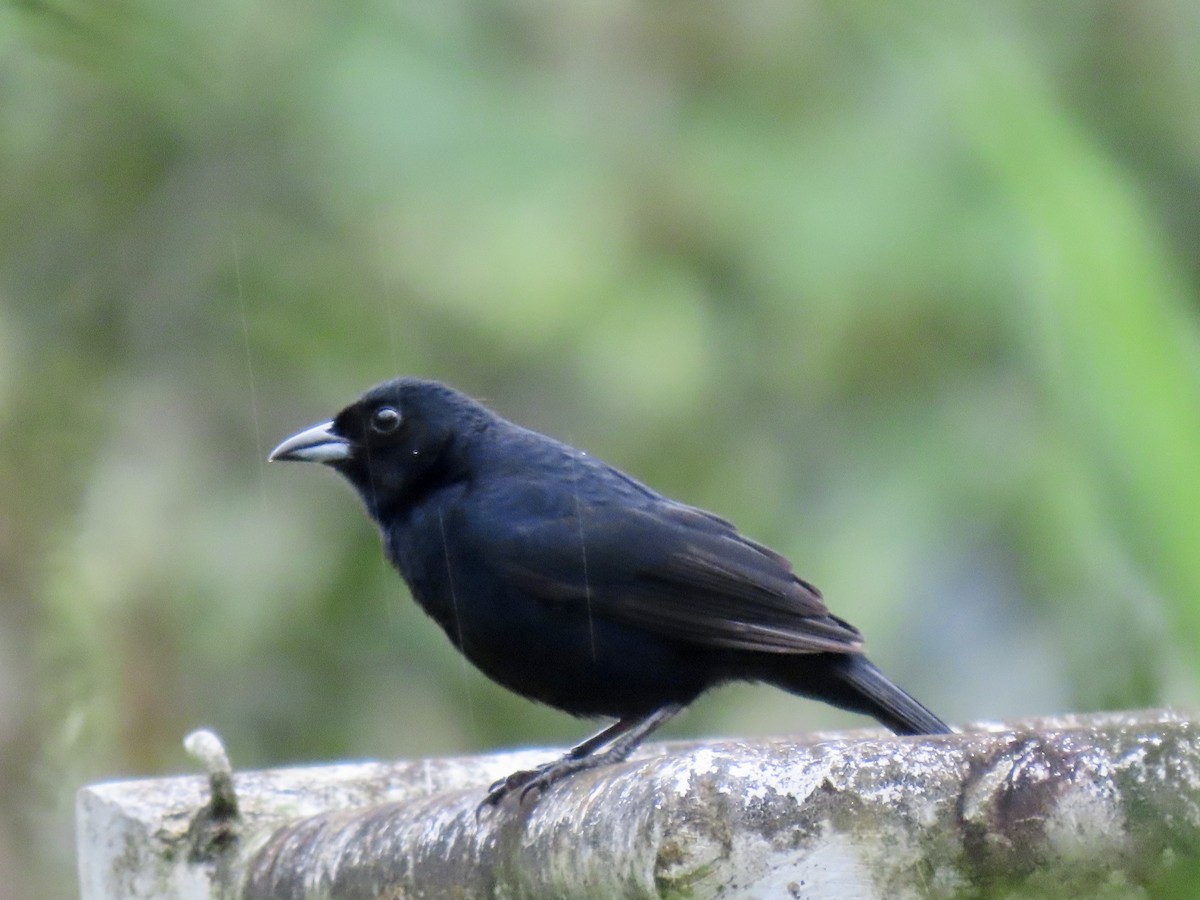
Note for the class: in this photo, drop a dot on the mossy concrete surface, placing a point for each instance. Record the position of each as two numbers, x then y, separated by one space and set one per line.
1080 806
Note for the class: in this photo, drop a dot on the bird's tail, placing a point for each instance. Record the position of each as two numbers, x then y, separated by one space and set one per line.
851 681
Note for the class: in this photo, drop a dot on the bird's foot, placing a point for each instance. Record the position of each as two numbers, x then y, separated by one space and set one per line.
620 739
530 780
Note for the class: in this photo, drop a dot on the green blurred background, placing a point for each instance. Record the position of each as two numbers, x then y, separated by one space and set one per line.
908 291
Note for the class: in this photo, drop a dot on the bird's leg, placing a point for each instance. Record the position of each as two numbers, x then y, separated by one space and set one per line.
601 737
621 738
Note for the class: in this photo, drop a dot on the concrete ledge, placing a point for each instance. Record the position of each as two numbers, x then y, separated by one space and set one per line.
1089 806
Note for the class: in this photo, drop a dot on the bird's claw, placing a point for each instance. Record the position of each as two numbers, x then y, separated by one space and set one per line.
526 781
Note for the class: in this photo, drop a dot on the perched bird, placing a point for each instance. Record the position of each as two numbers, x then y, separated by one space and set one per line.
573 584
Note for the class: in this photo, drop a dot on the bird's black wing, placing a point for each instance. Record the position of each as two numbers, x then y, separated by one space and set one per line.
671 569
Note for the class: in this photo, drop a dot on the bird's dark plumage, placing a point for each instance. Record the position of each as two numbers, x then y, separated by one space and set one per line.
573 584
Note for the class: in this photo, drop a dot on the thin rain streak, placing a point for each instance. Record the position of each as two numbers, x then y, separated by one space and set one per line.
587 583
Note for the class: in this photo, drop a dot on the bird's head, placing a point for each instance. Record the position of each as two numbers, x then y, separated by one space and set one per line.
393 443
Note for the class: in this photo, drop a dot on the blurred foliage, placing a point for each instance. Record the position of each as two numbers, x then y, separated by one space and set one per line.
910 293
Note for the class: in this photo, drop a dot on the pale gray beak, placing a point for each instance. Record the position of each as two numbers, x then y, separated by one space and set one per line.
316 444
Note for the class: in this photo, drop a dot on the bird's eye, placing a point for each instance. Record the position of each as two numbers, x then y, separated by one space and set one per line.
385 420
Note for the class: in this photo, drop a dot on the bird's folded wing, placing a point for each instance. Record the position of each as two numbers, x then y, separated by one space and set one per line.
677 571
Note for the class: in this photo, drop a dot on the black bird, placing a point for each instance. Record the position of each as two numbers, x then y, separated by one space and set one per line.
573 584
